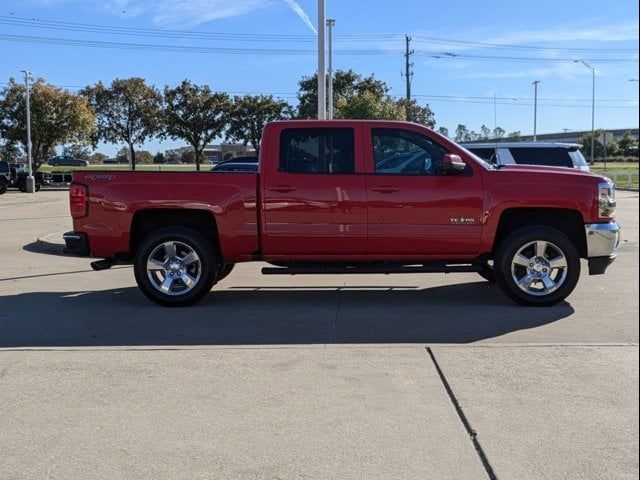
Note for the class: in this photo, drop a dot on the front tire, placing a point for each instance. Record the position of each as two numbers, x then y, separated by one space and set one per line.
537 266
487 273
175 267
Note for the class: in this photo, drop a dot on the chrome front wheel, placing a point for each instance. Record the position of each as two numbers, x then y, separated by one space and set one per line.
539 268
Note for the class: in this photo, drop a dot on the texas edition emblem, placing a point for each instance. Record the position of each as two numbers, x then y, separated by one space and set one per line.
463 221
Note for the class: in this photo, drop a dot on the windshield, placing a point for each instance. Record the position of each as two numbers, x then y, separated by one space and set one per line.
577 158
481 161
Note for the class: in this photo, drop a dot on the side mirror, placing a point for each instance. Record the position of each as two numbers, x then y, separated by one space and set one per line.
453 163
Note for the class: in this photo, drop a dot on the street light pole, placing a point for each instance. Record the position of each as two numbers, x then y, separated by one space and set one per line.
535 110
593 110
31 183
330 24
322 76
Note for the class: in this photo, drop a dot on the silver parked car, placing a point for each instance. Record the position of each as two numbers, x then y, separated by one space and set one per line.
549 154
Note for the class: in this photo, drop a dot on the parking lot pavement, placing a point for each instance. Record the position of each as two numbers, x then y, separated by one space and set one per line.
258 413
308 377
549 411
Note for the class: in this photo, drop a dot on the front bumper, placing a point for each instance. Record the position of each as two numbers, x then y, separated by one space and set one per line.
603 240
76 243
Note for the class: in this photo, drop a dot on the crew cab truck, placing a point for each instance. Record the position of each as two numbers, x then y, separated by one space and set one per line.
333 197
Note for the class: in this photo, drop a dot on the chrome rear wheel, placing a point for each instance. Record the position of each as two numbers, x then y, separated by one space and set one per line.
174 268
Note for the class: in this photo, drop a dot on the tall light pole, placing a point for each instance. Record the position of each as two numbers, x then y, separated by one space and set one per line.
593 108
31 182
322 75
330 24
535 110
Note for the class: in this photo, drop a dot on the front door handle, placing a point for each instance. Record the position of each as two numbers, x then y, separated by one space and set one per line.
385 189
282 188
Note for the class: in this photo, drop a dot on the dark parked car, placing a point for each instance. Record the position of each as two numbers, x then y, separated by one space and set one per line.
5 176
233 166
67 161
14 175
530 153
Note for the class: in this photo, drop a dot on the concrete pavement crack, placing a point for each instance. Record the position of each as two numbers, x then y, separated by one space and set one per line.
335 317
473 435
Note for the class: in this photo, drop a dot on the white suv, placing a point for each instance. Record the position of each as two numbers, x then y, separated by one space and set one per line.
530 153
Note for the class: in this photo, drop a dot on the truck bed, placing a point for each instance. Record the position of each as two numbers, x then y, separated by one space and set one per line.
116 197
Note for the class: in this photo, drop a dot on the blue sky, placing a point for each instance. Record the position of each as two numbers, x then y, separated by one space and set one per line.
459 90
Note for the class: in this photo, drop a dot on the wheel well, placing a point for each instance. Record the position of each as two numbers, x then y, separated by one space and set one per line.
147 221
569 222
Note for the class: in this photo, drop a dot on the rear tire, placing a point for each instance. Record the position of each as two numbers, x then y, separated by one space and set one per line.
175 267
3 187
537 266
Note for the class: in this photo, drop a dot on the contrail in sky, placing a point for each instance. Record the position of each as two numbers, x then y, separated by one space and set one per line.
295 6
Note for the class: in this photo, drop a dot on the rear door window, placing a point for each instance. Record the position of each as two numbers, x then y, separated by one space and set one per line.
319 151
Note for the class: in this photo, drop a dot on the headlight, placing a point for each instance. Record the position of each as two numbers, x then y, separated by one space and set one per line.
607 199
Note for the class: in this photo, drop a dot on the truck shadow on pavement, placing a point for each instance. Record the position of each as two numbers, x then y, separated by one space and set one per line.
459 313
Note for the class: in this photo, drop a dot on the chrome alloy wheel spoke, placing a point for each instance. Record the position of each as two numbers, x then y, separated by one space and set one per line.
174 268
539 268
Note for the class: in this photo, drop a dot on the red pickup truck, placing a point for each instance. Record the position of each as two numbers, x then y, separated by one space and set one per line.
336 197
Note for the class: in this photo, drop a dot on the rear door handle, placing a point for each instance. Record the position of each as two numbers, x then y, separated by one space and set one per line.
282 188
385 189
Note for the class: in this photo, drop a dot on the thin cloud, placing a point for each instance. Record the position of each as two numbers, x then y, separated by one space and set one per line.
298 10
172 12
606 33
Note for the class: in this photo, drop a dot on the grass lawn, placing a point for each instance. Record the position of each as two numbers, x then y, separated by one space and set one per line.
614 168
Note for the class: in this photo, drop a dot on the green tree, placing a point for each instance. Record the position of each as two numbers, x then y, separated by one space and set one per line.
346 85
585 141
444 131
498 132
417 113
516 136
613 147
126 111
368 106
122 155
57 116
250 114
159 158
195 114
97 158
628 144
188 156
77 150
144 157
462 133
360 97
485 132
9 151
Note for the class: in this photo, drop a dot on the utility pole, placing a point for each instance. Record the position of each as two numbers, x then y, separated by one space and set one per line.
322 75
330 24
31 182
593 110
535 110
408 72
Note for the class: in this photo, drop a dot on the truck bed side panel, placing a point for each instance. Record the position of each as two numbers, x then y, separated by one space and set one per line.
115 198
